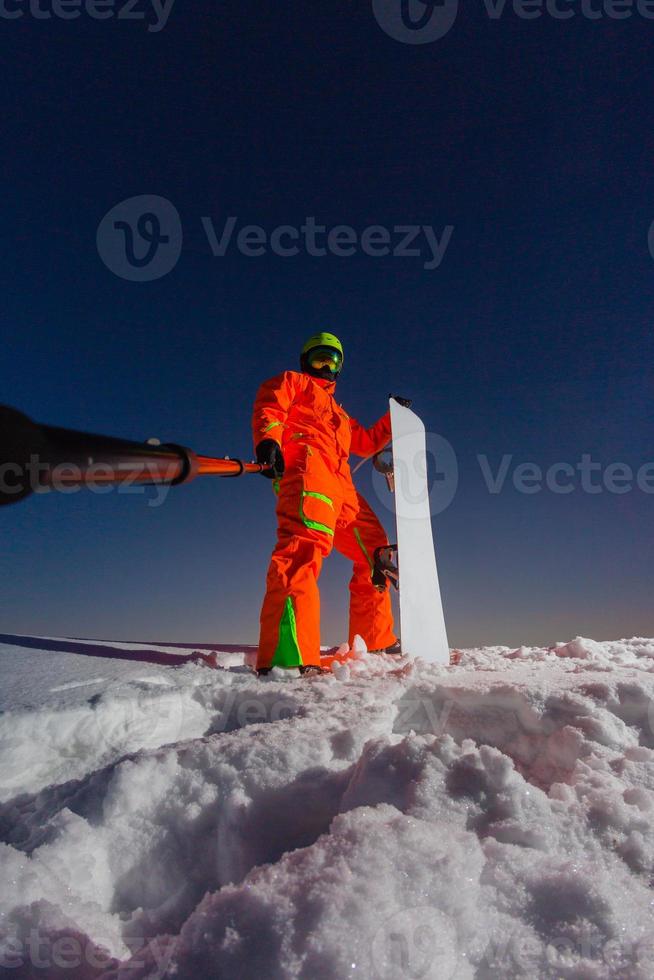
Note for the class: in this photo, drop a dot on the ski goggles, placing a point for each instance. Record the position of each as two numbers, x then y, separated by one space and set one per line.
321 357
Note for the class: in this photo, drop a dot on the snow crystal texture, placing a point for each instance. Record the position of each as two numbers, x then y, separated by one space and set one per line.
394 819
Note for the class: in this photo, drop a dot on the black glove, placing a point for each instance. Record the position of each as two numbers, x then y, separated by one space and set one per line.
404 402
270 455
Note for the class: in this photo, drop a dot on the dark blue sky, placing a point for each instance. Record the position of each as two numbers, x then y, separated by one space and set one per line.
533 337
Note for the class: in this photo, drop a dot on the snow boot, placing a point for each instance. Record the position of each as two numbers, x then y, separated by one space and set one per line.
310 671
393 651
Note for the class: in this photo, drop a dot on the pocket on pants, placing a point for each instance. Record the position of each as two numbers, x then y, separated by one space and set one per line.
317 512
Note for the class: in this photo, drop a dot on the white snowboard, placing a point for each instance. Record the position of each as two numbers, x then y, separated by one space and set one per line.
422 623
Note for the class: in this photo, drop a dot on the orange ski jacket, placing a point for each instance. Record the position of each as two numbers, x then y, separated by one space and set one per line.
301 414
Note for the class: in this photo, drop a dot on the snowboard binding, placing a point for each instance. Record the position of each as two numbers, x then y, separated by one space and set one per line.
385 467
385 567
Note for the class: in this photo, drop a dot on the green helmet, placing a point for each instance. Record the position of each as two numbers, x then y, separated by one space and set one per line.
323 340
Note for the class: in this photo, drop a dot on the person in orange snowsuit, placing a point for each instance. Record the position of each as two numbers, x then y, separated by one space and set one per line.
304 438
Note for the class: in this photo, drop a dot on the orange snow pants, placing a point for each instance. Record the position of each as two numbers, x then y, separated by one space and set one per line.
318 510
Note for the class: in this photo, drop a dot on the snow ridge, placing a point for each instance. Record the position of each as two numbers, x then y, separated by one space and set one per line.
397 820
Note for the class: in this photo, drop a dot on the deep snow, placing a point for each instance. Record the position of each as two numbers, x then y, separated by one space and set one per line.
396 819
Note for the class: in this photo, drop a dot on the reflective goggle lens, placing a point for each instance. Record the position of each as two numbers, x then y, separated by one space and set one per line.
323 357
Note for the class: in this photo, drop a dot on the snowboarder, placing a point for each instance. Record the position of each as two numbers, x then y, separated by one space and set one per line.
305 438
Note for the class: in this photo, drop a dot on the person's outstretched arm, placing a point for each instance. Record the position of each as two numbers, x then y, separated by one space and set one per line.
367 442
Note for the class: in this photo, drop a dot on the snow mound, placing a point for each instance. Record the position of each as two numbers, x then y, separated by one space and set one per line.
581 649
391 820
